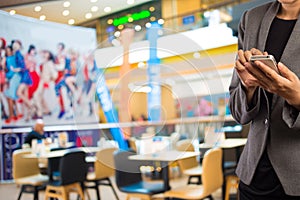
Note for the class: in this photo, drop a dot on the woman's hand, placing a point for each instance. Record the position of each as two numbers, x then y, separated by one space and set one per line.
249 82
286 84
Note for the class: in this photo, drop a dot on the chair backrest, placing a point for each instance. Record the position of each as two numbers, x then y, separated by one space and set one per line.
127 171
105 165
23 167
73 167
212 176
186 145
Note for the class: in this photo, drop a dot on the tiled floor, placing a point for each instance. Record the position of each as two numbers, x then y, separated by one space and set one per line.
10 192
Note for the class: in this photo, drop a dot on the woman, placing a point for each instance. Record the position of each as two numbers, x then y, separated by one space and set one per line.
48 74
2 76
269 167
14 79
31 64
26 80
89 75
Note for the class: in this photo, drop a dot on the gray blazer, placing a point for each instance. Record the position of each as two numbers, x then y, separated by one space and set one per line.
282 121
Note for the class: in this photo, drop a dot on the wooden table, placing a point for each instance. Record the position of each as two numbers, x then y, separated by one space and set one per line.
230 143
61 153
165 157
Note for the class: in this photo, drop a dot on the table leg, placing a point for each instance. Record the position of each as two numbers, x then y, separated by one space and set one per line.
224 178
165 176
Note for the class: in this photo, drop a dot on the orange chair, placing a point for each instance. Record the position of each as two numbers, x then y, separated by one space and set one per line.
26 173
189 166
103 170
212 179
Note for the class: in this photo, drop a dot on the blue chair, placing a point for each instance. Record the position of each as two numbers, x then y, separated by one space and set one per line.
129 177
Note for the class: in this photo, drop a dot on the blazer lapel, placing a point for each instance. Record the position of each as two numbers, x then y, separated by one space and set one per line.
262 39
292 50
266 24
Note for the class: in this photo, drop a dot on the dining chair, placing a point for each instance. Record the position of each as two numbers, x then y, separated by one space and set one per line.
212 179
189 166
26 173
232 181
73 170
129 178
104 168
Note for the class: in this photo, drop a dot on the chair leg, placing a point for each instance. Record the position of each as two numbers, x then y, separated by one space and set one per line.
80 191
227 191
97 190
64 194
113 189
36 193
210 197
87 194
46 193
21 192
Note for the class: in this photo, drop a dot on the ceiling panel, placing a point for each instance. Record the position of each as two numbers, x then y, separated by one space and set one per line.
78 9
11 3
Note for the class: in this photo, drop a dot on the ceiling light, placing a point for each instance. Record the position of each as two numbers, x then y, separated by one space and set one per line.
137 28
129 2
117 34
93 1
42 17
152 19
67 4
88 15
121 26
151 9
12 12
65 12
37 8
107 9
148 25
110 21
130 19
161 21
94 9
71 21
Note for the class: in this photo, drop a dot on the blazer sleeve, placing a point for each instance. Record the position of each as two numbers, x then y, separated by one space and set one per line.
240 110
291 116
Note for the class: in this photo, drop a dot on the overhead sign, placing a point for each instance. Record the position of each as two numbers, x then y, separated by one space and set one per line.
131 17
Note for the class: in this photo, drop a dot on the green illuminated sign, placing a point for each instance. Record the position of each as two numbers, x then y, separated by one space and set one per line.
131 17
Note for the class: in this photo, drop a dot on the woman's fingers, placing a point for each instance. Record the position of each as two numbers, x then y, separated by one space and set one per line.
241 57
285 72
239 66
256 72
256 52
